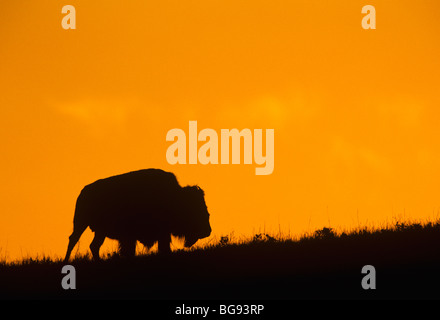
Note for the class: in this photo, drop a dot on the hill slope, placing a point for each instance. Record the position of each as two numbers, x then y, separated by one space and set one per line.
324 265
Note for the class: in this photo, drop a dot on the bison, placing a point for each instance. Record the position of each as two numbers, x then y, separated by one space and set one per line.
146 206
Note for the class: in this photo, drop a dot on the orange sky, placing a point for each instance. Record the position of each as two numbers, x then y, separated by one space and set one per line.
356 112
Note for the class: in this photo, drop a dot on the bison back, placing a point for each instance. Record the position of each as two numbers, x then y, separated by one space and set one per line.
129 202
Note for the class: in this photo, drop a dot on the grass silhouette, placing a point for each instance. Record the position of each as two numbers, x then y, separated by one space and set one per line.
322 264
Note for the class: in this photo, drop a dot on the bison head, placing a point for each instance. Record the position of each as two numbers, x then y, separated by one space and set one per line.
195 224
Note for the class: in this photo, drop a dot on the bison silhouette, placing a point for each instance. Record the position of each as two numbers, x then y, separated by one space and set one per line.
146 206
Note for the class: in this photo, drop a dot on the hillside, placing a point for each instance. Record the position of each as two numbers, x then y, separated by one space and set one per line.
323 265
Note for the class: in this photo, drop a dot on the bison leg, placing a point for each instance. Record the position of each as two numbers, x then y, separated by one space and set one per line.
127 247
164 244
73 239
96 244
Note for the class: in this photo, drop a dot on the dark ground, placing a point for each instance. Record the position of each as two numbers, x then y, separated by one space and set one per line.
324 266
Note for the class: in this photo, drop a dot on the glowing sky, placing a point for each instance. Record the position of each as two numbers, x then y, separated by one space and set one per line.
355 112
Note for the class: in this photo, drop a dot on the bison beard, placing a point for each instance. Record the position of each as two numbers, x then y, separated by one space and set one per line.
146 206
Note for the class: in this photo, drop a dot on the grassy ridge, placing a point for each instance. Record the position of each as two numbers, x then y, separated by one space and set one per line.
321 265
